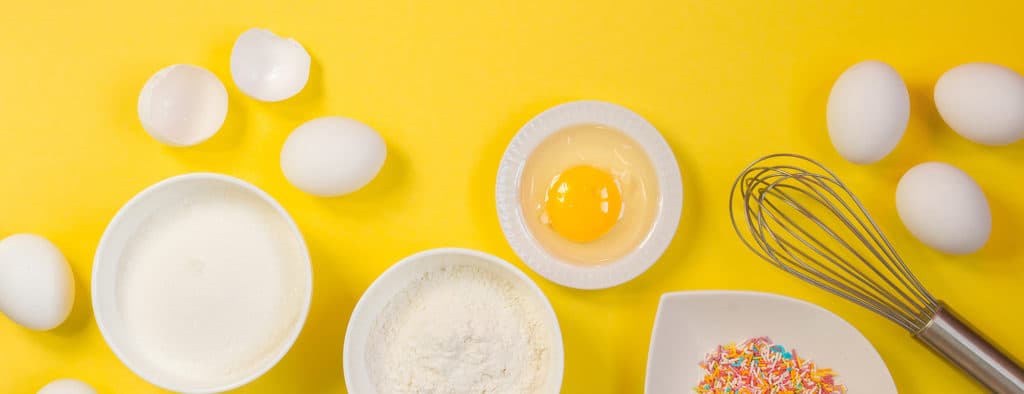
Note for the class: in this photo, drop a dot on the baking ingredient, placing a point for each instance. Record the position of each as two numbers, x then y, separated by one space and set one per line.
332 156
459 329
37 287
757 366
183 105
944 208
267 67
868 111
982 102
211 286
583 203
67 386
589 194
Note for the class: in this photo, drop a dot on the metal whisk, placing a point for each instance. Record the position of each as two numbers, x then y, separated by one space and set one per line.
797 215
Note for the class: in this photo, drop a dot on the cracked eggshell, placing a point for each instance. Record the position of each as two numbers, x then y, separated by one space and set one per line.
37 287
868 111
183 105
267 67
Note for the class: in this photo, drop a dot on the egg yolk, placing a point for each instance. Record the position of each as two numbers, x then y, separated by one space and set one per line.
583 203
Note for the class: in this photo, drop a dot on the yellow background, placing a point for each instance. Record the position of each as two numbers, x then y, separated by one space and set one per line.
448 83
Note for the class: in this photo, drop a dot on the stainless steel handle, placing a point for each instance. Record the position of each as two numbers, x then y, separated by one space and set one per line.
952 338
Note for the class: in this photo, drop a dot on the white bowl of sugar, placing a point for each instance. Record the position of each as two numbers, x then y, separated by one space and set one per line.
453 320
201 283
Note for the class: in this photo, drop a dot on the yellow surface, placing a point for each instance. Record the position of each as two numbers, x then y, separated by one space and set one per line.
447 84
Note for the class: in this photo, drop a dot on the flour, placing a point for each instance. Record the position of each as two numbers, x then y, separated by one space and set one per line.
461 329
211 287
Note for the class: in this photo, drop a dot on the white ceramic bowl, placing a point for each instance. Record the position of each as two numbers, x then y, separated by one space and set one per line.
400 275
510 211
107 266
691 324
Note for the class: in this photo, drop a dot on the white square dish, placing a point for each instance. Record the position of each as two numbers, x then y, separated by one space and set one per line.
691 324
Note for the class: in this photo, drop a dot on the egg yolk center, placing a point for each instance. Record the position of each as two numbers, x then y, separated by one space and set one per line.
583 203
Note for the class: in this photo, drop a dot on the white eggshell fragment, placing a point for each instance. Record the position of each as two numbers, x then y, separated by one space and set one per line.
67 386
982 102
267 67
37 288
183 105
868 110
332 156
944 208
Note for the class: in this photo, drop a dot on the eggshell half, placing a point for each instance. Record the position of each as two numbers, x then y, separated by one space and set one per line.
267 67
183 105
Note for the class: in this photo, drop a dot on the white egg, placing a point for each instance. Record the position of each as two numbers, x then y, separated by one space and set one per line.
37 288
183 105
267 67
868 110
982 102
944 208
332 156
67 386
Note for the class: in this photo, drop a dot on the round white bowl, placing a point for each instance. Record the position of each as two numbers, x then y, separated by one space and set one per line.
106 267
400 275
510 210
691 324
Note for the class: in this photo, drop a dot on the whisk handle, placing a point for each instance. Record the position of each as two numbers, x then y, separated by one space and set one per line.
952 338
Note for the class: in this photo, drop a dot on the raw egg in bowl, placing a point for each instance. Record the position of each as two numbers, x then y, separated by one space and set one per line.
589 194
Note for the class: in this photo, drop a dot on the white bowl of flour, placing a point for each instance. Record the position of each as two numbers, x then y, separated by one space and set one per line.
453 321
201 283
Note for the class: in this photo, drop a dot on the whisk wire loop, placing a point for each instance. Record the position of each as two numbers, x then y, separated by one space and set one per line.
802 218
796 214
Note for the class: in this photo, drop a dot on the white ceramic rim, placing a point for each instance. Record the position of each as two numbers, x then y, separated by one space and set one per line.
510 212
712 293
288 341
360 311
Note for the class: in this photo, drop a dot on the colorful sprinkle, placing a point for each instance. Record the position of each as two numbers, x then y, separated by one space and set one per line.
757 366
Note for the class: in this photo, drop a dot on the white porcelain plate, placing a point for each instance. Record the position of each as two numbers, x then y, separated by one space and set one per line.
691 324
510 212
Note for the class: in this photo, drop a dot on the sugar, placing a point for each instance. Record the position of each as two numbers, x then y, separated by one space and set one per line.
211 286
